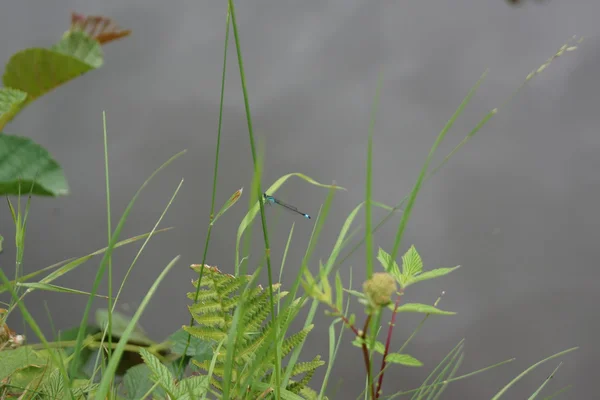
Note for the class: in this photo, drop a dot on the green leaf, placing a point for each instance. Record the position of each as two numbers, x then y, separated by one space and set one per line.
386 261
120 323
81 46
411 262
326 297
137 382
22 357
37 71
356 293
339 291
403 359
379 347
85 353
27 167
160 373
199 349
107 379
1 241
421 308
232 200
192 387
434 273
10 104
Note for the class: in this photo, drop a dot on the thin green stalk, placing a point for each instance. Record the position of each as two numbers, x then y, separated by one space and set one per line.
369 184
413 195
102 267
293 290
469 136
528 370
259 193
214 187
109 229
143 246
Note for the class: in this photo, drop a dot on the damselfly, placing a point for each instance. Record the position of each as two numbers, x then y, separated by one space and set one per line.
272 200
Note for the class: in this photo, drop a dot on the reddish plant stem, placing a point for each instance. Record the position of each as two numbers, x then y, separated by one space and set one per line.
365 350
346 320
388 341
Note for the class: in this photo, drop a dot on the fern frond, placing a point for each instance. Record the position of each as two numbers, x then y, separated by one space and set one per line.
307 367
206 333
254 355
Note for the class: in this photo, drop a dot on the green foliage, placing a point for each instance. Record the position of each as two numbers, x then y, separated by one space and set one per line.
23 369
37 71
189 388
219 296
412 268
25 167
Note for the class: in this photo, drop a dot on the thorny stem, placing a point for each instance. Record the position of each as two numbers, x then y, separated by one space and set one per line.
365 350
387 347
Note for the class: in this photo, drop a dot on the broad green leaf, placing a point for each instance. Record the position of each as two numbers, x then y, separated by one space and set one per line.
81 46
120 323
28 376
85 353
10 104
403 359
22 357
26 167
137 382
198 349
37 71
232 200
411 262
421 308
386 261
434 273
192 387
160 373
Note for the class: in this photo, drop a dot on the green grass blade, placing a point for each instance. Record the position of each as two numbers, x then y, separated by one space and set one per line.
413 195
528 370
558 392
539 389
369 184
108 376
114 238
247 220
38 332
143 246
215 175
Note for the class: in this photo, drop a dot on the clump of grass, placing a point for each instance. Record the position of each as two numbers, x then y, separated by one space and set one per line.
238 334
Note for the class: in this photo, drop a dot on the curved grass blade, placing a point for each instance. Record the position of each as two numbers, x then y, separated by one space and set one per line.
247 220
108 253
109 372
528 370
